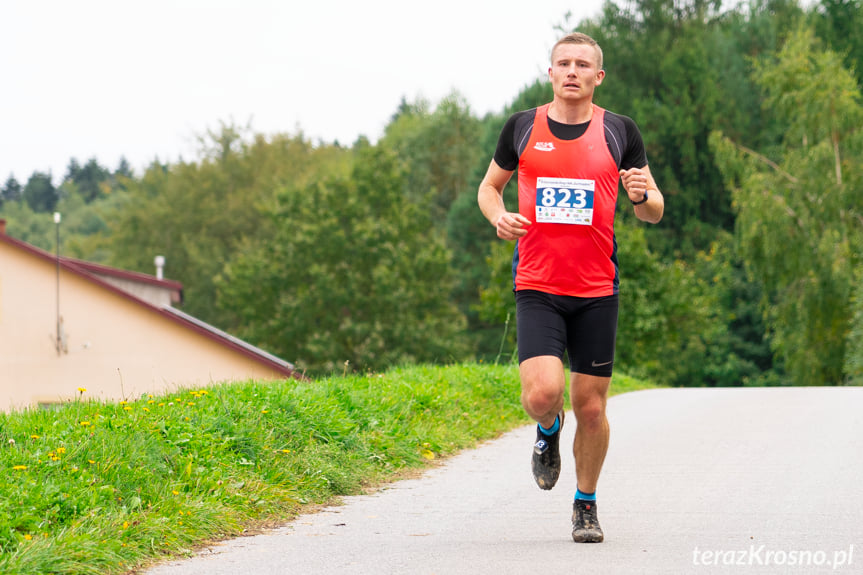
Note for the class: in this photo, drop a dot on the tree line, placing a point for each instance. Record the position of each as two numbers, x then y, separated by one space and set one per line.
363 256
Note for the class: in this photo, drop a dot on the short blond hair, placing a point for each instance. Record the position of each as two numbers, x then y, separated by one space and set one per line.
579 38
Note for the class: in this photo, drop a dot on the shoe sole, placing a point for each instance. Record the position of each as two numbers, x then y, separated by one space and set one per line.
587 537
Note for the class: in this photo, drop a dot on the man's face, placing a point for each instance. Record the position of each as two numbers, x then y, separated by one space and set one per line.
574 72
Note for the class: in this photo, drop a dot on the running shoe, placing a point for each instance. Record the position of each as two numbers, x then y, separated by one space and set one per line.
585 525
546 457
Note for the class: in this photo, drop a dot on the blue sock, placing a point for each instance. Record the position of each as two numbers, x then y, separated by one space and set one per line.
553 429
579 494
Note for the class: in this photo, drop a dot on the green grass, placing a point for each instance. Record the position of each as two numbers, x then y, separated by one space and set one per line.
96 488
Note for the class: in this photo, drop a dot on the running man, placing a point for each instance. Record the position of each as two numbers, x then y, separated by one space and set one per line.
570 155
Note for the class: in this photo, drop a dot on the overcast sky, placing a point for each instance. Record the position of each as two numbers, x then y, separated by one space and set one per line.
107 78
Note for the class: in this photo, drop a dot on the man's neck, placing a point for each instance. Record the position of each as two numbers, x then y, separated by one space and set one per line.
571 112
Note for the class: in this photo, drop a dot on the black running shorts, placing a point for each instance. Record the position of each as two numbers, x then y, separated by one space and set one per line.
586 328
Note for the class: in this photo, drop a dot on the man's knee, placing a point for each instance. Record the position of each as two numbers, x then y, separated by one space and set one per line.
542 385
589 412
542 398
589 395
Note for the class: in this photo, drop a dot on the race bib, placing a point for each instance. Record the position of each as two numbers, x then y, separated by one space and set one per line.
564 201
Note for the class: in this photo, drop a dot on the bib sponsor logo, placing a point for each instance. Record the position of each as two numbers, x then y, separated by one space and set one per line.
544 146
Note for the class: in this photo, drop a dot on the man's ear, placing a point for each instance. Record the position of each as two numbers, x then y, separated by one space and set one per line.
599 76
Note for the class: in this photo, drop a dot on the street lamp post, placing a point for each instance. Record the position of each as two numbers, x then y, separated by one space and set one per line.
57 224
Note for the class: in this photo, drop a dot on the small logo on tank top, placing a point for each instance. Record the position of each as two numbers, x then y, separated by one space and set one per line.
544 146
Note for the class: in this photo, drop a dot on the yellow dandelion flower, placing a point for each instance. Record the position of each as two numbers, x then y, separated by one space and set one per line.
191 403
286 451
125 524
91 462
85 423
123 402
145 409
152 402
34 437
28 537
127 408
19 467
265 411
82 389
175 492
61 450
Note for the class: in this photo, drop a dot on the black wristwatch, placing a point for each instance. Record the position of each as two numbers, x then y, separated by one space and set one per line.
641 201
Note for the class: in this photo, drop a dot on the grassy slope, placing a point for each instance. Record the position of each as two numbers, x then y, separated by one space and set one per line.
102 488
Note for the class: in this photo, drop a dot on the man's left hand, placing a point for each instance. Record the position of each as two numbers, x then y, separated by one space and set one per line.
635 182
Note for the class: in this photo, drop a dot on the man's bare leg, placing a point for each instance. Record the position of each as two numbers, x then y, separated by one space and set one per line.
589 394
543 383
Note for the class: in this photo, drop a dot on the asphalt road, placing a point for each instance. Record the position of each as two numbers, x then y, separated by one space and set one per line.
696 481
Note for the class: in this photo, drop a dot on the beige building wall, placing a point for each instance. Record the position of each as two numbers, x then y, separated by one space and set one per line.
115 347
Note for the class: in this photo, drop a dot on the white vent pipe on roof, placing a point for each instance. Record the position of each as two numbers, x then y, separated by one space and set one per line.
160 267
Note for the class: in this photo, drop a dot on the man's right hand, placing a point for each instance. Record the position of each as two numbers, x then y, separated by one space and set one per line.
511 226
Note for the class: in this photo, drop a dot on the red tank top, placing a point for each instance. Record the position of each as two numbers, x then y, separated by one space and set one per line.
568 190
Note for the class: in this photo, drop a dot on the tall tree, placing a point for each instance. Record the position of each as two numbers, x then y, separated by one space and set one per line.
840 24
92 181
353 275
122 175
800 218
40 193
11 191
198 214
124 169
438 148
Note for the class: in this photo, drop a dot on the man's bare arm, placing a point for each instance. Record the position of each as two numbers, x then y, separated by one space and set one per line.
637 182
509 225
